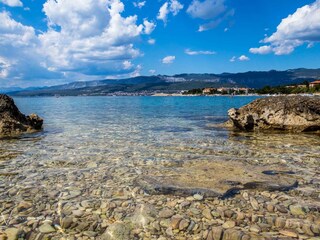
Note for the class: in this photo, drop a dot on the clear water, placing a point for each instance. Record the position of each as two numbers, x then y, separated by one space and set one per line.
125 131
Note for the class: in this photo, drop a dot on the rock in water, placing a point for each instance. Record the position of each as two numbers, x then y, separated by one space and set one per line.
13 122
292 113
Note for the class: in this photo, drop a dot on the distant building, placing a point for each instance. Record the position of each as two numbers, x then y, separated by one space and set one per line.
208 90
314 84
296 86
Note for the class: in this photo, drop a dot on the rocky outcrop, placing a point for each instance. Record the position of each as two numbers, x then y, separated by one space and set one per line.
13 122
291 113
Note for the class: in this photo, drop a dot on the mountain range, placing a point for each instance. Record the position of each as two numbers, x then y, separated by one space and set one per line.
171 84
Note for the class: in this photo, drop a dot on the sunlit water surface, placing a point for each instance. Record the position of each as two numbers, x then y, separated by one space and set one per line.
124 131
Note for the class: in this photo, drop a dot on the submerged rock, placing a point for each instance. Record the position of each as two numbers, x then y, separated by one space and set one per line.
292 113
13 122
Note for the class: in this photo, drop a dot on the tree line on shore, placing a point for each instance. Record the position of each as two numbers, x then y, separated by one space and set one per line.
303 87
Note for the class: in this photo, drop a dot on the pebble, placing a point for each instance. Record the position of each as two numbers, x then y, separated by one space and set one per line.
46 228
254 203
255 228
270 208
229 224
280 222
175 220
297 210
217 233
288 233
12 233
198 197
166 213
282 209
207 213
184 223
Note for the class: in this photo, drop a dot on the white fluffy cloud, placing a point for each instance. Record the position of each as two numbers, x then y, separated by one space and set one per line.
301 27
139 4
172 6
12 3
168 59
89 39
148 26
127 64
20 57
213 11
243 58
192 53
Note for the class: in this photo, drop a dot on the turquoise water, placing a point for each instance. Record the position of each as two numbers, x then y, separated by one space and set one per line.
136 127
85 128
84 134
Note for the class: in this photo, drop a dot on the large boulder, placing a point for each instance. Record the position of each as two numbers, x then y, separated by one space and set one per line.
13 122
291 113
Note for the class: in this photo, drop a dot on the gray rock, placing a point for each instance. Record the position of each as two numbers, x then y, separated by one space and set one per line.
118 231
13 122
292 113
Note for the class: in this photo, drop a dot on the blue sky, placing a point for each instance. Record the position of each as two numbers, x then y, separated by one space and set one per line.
49 42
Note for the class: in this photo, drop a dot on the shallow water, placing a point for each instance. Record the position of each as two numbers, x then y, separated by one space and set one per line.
138 131
99 161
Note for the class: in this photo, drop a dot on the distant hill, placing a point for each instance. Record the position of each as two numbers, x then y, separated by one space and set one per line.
175 83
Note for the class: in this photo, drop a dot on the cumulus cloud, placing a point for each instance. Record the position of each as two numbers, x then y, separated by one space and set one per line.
84 40
152 71
20 57
192 53
148 26
302 27
168 59
127 64
213 11
172 6
243 58
12 3
261 50
139 4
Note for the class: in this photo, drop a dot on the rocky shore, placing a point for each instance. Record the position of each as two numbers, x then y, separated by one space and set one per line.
13 122
102 201
285 113
138 190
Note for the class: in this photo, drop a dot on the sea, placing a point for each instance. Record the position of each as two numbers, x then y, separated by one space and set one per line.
83 128
87 134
